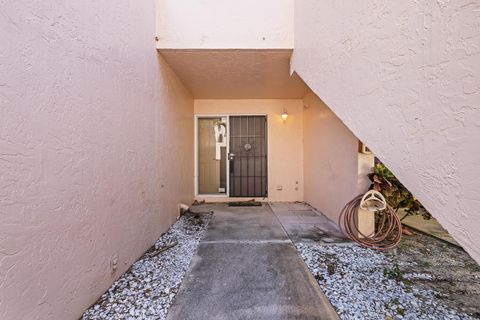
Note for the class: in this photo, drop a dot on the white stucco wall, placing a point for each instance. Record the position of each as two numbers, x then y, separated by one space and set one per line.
285 145
95 150
330 163
220 24
404 76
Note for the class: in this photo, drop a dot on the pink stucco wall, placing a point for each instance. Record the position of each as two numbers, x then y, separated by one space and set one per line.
330 162
220 24
95 150
404 76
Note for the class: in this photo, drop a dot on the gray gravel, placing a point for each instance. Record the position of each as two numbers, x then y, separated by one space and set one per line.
365 284
148 289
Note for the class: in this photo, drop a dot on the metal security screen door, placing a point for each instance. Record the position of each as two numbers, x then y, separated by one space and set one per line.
248 156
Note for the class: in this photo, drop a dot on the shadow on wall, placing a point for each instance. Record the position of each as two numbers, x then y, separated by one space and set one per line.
330 160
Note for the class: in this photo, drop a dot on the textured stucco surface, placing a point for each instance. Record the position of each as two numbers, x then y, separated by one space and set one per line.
220 24
404 76
236 74
330 163
95 150
285 145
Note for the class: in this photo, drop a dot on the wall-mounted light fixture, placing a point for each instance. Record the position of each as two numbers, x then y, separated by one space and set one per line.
284 115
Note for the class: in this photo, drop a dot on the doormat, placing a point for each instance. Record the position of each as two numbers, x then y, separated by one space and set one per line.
250 203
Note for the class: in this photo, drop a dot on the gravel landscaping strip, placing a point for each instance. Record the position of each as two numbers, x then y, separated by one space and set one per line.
147 290
366 284
433 264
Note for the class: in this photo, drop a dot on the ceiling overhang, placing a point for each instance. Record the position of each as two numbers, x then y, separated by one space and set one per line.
236 73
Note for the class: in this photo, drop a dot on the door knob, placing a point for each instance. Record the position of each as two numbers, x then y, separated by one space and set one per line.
231 156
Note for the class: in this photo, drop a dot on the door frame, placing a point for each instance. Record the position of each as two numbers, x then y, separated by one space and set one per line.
227 166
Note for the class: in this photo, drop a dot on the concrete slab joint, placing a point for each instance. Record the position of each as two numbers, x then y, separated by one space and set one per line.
246 267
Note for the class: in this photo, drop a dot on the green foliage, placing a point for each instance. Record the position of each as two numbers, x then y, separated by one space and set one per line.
397 196
394 273
331 269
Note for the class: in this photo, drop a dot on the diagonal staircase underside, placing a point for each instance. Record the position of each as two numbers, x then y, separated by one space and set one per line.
404 77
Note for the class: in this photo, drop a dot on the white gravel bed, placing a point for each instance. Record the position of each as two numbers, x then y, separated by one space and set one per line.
360 283
148 288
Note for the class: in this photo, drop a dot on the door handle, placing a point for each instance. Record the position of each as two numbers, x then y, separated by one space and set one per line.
231 156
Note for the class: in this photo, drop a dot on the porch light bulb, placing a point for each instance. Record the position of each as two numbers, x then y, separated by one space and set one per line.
284 115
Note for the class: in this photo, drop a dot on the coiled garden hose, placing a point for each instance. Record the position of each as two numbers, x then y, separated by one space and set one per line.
388 227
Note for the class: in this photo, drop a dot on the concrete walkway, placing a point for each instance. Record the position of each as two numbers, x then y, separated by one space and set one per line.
304 224
247 268
431 227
